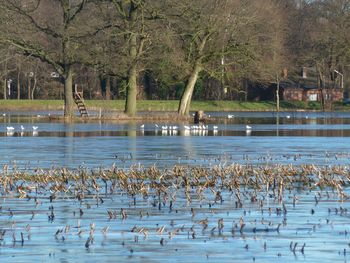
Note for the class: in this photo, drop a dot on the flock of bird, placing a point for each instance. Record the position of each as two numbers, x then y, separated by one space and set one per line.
192 128
10 130
164 128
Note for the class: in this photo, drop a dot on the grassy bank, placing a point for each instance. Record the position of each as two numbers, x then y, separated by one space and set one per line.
166 105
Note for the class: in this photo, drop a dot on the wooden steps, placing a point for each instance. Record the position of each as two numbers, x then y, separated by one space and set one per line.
78 99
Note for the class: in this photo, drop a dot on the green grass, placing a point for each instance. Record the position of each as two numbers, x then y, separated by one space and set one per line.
166 105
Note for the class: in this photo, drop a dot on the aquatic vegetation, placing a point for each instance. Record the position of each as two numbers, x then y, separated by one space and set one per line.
175 205
137 180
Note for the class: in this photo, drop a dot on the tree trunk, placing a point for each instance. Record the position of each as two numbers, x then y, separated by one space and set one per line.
5 81
108 88
18 84
5 89
29 88
131 91
278 95
68 92
245 84
321 87
34 86
184 106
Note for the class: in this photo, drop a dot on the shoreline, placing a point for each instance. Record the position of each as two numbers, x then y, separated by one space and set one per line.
161 107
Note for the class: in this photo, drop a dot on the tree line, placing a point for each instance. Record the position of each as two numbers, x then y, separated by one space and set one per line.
163 49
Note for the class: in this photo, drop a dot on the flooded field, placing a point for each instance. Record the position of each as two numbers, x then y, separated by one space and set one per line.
72 220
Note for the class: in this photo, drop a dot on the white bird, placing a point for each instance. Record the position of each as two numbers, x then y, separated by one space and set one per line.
22 127
4 114
288 116
10 128
248 127
10 133
215 127
156 125
230 116
187 128
142 126
164 127
35 128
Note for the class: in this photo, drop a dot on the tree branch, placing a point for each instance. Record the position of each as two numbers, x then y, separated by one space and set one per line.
35 51
26 14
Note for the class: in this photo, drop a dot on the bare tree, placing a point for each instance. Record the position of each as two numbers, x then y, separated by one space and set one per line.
214 36
51 31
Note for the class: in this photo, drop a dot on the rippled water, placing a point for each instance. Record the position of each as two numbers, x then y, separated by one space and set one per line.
296 138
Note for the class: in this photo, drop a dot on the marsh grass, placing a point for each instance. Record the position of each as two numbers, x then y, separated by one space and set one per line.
273 180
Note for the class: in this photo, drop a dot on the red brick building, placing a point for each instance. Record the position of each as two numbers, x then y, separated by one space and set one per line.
304 93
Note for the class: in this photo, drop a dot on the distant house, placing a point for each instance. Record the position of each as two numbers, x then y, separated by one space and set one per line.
298 92
304 87
297 87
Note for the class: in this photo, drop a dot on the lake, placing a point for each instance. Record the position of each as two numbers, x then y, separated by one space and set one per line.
295 138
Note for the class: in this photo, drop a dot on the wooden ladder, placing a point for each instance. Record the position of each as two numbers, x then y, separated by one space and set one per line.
78 99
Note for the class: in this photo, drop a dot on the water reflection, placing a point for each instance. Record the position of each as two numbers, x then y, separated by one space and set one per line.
99 142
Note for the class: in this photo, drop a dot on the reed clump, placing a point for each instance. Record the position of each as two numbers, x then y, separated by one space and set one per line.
168 182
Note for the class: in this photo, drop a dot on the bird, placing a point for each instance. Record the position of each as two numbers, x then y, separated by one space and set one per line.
187 128
4 114
156 125
142 126
215 127
22 127
35 128
10 133
10 128
248 127
288 116
230 116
